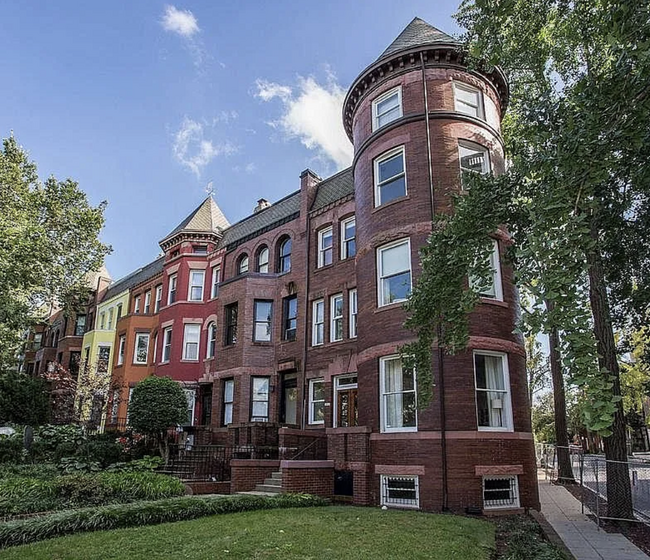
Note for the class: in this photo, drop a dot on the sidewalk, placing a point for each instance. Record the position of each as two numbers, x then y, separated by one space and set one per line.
579 533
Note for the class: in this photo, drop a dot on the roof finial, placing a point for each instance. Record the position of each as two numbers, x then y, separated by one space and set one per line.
209 188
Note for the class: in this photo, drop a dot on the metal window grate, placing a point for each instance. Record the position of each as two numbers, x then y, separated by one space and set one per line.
500 492
400 491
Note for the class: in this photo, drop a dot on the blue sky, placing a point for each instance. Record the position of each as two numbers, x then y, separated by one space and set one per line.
144 103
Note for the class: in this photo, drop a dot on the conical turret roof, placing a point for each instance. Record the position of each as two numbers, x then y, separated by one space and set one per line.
206 218
415 34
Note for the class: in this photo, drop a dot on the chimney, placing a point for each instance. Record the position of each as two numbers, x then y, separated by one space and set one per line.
262 203
308 188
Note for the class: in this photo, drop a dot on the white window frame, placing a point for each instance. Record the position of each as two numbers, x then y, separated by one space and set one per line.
228 405
480 107
158 300
380 159
167 345
147 302
155 348
254 400
344 240
336 319
497 284
136 305
386 500
512 487
383 394
506 399
192 285
263 266
353 305
243 264
211 346
318 322
172 288
340 387
139 335
188 330
214 291
120 351
268 321
109 324
190 396
380 276
322 251
313 401
102 320
375 117
468 145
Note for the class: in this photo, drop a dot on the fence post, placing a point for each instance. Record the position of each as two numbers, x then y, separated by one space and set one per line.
597 494
582 487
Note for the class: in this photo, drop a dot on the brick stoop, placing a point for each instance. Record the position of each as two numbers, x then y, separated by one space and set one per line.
272 485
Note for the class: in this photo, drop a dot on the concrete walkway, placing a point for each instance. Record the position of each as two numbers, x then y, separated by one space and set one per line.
579 533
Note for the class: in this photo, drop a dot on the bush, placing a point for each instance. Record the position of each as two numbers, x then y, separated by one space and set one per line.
105 452
11 448
147 463
41 470
142 513
22 495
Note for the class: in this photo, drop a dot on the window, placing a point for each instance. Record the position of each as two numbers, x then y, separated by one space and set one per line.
242 264
398 396
155 348
289 317
492 391
284 255
325 247
353 313
401 491
474 158
346 410
493 287
171 294
109 326
196 285
228 400
348 238
156 305
336 318
190 395
231 323
119 312
263 260
468 100
390 176
262 327
167 344
200 249
500 492
216 271
38 337
260 400
386 108
211 340
316 401
191 336
102 321
136 307
147 302
141 348
318 323
79 327
120 351
103 358
394 272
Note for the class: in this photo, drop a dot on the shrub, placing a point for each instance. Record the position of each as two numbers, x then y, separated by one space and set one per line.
22 495
142 513
41 470
105 452
147 463
11 448
23 399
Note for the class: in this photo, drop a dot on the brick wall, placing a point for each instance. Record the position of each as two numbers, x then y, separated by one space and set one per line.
246 473
310 477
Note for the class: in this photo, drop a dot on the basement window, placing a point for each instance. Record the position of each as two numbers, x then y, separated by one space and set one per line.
500 492
400 491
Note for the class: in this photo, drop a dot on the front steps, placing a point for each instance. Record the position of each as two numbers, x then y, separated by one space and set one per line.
271 485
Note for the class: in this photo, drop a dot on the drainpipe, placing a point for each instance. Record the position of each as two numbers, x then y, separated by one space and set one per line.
305 386
439 352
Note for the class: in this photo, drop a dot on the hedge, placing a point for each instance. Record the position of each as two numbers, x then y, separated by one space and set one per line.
142 513
24 495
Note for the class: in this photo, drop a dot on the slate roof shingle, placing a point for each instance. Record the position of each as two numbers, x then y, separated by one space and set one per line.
206 217
415 34
334 188
133 279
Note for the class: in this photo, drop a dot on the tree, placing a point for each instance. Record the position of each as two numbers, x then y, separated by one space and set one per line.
23 399
537 366
543 419
575 198
157 404
48 245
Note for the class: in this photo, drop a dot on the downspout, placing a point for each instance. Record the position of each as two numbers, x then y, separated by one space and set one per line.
440 355
305 347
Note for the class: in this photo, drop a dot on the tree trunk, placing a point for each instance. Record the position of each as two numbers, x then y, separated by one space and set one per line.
565 472
619 491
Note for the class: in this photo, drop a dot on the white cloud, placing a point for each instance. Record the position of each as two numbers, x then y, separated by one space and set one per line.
312 113
193 150
178 21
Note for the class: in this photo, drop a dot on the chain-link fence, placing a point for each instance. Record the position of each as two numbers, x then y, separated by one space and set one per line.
590 474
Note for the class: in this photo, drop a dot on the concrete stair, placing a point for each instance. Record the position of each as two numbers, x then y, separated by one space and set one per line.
271 485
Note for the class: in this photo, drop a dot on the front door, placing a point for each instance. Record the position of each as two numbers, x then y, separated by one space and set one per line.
347 411
289 399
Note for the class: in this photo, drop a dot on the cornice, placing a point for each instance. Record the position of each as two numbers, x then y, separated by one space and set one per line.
176 238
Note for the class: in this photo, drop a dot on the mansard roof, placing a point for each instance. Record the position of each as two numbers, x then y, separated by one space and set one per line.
135 278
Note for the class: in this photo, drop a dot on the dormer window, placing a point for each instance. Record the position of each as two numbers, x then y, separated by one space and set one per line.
200 249
468 100
387 108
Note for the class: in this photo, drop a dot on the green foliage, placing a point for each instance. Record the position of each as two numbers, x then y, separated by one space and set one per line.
524 539
141 513
635 371
42 470
23 399
147 463
543 419
48 244
157 403
22 495
55 442
11 448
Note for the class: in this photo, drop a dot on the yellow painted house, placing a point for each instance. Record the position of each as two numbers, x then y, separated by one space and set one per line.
98 349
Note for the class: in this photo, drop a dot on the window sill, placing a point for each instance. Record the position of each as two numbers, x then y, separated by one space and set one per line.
399 431
183 361
494 430
394 305
493 301
262 343
390 203
324 267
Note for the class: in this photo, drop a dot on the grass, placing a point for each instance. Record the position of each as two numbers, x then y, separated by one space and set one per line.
312 533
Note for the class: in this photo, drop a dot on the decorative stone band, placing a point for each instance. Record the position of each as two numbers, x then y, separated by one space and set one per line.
496 470
496 344
453 435
307 464
400 469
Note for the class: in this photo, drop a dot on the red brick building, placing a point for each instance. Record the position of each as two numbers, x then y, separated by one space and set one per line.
285 327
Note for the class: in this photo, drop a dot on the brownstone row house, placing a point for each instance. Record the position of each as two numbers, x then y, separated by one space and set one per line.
285 328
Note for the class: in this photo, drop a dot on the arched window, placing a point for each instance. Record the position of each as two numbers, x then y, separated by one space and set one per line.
263 260
284 255
242 264
55 339
212 340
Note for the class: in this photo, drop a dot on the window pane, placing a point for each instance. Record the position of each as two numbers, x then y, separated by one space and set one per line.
390 167
260 409
227 414
262 332
391 102
318 391
260 387
228 391
395 259
319 412
466 95
396 288
472 159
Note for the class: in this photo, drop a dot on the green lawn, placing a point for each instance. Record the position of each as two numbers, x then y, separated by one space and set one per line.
318 533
